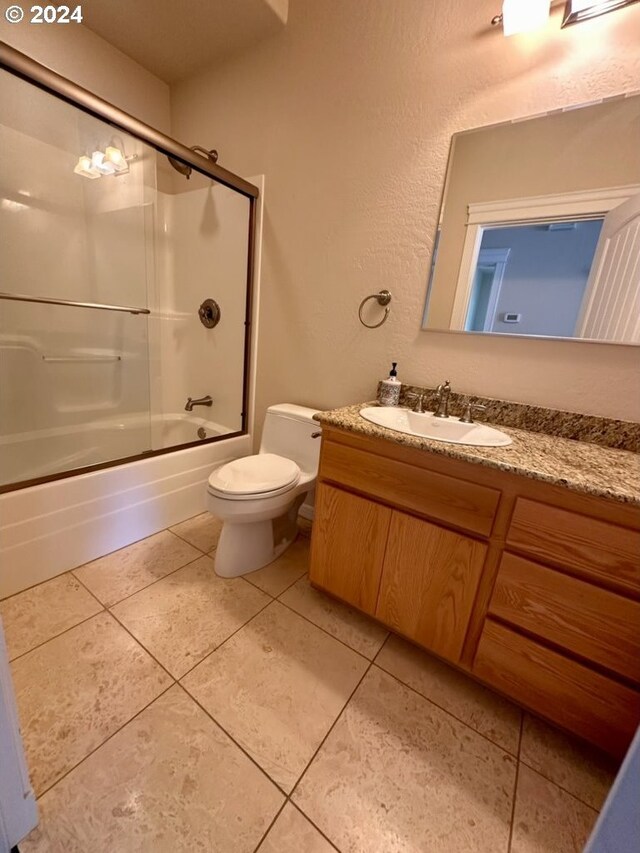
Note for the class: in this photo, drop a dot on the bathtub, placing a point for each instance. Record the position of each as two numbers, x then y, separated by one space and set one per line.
52 527
42 453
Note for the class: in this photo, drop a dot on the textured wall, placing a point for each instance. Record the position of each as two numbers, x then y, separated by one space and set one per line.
75 52
349 113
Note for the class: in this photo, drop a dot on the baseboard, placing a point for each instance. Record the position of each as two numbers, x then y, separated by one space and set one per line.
307 511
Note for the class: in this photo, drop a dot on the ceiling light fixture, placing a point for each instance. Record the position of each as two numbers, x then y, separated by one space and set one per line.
581 10
522 16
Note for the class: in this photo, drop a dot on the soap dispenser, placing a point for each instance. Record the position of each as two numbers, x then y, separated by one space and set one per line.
389 389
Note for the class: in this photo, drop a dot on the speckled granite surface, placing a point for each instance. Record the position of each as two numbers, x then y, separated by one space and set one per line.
577 465
608 432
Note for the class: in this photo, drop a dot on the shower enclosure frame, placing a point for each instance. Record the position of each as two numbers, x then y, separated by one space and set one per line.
39 75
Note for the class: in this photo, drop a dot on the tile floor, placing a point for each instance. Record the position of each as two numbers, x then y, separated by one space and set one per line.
166 709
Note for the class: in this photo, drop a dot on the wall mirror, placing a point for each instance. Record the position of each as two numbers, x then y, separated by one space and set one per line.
539 229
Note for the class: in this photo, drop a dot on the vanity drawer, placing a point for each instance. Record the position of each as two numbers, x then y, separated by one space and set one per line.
596 624
597 550
466 505
574 696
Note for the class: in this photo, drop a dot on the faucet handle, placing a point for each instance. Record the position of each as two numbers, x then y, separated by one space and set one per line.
419 404
469 408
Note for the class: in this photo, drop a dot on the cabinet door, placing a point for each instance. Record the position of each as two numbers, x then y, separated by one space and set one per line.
347 549
429 583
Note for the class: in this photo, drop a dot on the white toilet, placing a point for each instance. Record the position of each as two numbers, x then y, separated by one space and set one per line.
258 497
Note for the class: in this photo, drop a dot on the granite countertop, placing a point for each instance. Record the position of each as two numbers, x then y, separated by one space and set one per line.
577 465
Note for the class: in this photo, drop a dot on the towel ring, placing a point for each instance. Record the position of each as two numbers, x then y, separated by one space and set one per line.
382 298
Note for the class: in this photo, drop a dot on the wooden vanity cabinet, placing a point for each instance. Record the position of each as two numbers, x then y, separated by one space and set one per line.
531 588
429 583
349 541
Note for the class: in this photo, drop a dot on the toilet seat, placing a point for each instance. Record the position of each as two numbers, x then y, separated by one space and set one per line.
252 476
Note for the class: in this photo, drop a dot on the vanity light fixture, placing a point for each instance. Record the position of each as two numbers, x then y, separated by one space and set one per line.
522 16
581 10
111 161
85 167
116 159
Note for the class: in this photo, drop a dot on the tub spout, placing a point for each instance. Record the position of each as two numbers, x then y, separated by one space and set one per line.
200 401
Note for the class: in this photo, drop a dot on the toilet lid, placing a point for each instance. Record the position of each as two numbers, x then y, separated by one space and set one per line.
254 475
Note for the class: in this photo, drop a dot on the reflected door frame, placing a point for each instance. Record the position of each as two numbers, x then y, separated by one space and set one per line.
496 259
524 211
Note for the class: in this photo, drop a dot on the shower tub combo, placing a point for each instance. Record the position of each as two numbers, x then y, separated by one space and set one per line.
127 338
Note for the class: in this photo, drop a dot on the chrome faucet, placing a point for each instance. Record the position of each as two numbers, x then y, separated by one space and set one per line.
443 391
201 401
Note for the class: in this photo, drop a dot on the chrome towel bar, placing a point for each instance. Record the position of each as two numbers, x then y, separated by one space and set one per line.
64 359
17 297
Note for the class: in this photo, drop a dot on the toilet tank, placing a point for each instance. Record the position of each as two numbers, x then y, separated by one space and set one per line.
287 431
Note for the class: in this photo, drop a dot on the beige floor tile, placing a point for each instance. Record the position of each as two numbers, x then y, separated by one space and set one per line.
169 781
76 690
292 833
277 686
477 706
547 819
185 616
284 571
575 766
203 531
353 628
36 615
397 774
124 572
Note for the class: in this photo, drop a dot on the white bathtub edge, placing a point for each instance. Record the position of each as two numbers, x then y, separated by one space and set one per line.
48 529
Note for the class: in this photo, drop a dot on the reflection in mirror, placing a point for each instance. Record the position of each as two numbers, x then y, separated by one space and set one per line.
539 231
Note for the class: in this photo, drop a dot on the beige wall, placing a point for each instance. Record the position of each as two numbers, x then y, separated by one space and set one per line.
79 54
595 147
349 113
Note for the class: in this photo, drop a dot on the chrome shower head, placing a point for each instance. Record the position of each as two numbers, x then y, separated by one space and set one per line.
184 168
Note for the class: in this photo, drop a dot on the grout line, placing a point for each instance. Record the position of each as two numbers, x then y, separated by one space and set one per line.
142 646
449 713
55 636
324 630
36 585
270 827
106 740
379 652
306 817
561 787
84 586
233 740
226 639
515 786
331 728
255 586
157 580
188 542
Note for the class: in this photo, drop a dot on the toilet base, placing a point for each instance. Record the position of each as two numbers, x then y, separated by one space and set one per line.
246 547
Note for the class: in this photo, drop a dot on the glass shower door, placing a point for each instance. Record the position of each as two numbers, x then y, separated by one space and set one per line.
75 197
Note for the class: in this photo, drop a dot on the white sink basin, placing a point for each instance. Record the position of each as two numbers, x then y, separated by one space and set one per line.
450 429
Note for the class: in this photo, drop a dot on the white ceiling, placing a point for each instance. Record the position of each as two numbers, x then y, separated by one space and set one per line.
176 38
